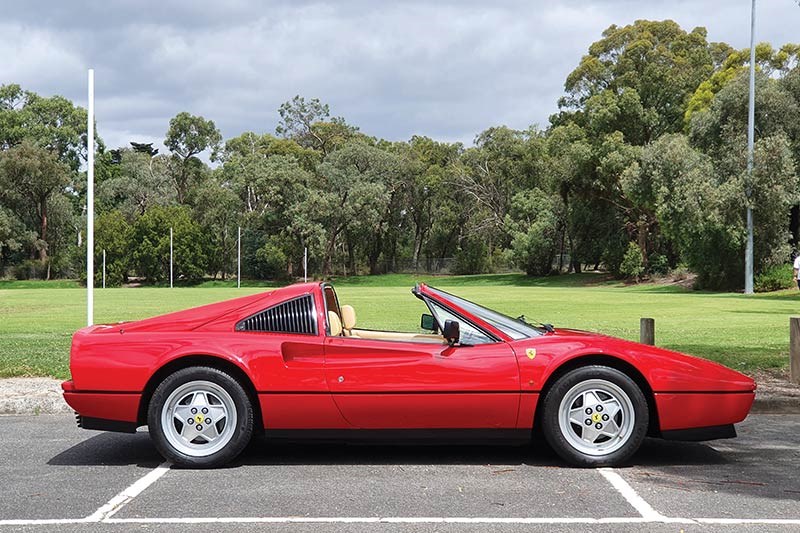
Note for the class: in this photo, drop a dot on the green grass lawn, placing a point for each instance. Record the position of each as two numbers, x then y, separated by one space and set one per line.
743 332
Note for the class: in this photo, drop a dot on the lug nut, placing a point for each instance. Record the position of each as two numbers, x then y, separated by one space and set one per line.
588 421
194 410
208 421
588 410
191 420
599 408
599 425
605 417
205 410
200 428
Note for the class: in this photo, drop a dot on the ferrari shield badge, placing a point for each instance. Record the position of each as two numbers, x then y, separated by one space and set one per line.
531 353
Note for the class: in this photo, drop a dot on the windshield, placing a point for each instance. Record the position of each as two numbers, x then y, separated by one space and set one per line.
516 329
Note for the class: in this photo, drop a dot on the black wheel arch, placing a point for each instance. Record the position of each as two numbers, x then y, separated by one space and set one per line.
623 366
200 360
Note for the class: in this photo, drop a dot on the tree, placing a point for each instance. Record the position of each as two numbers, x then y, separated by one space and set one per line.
534 224
113 234
31 176
187 137
218 211
350 194
310 124
659 61
138 183
54 123
151 235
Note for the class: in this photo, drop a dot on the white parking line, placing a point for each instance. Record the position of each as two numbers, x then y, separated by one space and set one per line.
406 520
648 514
120 500
374 520
636 501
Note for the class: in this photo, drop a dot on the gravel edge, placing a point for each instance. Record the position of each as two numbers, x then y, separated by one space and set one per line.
34 396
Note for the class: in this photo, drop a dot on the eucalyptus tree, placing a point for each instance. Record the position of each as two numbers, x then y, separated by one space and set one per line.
187 137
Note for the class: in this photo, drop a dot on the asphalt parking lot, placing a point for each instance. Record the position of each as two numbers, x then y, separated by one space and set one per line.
54 475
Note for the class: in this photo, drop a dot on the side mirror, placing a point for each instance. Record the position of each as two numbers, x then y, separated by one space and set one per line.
452 331
427 323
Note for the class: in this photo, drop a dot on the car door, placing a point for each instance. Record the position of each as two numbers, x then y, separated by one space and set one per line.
383 384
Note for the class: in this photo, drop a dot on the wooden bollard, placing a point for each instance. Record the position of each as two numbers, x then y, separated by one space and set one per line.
794 349
647 331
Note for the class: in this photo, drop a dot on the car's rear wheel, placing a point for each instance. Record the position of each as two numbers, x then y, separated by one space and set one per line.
595 416
200 417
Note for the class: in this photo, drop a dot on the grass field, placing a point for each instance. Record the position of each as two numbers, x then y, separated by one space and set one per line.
744 332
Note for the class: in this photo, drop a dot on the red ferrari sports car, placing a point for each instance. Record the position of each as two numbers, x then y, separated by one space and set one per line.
293 363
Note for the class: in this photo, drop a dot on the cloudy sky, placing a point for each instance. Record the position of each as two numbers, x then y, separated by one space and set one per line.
442 68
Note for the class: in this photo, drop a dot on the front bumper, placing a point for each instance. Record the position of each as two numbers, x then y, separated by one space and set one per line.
690 410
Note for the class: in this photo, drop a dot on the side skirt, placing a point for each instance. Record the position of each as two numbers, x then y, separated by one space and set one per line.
699 434
404 436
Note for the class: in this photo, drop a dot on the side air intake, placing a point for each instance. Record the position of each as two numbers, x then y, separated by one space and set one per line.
293 316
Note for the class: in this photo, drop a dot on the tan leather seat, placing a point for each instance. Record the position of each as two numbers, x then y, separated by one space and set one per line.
348 320
334 324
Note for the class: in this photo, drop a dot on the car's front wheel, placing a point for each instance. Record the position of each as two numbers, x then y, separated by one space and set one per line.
595 416
200 417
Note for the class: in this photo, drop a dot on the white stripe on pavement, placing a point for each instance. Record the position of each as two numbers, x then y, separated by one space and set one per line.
120 500
630 495
405 520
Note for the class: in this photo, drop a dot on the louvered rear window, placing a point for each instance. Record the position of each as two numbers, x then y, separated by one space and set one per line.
294 316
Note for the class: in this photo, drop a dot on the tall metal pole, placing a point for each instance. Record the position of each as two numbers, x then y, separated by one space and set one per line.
104 269
751 115
170 258
305 265
239 260
90 203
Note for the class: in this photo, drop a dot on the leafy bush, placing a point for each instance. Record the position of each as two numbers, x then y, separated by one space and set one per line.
151 238
632 265
775 278
270 261
472 256
30 269
658 264
533 221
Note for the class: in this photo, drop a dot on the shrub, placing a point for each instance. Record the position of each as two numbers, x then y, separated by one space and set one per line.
471 257
533 221
30 269
632 265
774 278
270 261
658 264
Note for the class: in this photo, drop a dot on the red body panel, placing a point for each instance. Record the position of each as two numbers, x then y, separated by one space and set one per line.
323 382
691 410
482 382
103 405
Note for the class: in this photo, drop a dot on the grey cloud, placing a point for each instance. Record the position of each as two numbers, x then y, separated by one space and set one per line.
444 69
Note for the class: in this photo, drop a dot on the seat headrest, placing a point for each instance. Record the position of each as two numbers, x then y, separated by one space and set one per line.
348 317
334 324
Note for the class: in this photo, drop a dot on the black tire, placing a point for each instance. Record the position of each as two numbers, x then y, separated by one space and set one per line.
212 384
611 386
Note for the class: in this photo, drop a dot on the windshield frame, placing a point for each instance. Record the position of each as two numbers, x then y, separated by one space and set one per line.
513 328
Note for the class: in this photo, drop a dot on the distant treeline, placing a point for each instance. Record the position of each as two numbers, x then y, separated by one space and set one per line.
642 170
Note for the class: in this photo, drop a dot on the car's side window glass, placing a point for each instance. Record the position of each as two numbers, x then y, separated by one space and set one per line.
469 333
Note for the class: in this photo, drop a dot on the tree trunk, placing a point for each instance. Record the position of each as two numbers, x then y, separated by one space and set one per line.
329 249
43 229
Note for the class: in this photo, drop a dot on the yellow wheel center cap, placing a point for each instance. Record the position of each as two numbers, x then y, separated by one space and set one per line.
597 417
199 419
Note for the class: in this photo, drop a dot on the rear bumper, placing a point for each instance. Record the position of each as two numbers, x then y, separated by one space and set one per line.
121 407
682 411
